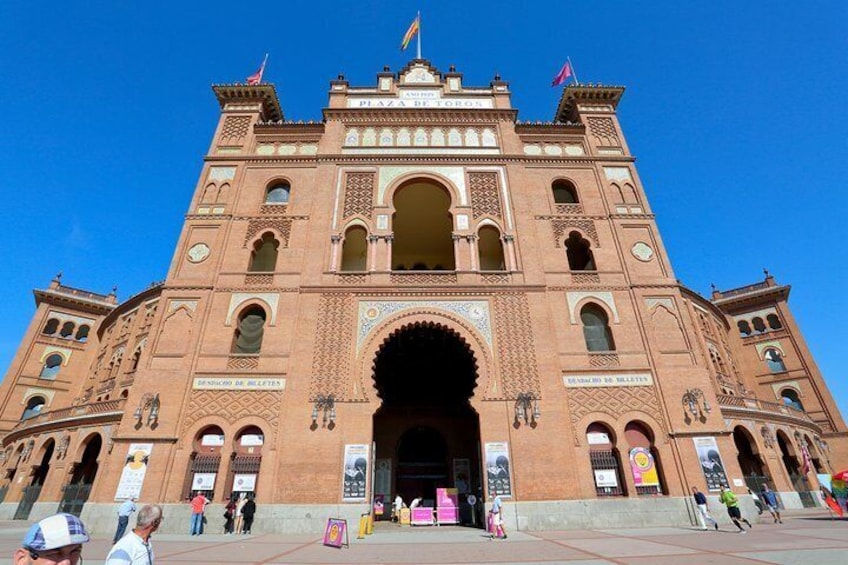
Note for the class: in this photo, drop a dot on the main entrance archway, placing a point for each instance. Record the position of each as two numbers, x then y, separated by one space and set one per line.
426 432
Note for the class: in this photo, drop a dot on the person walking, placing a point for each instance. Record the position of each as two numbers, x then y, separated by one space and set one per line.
198 505
703 511
136 548
770 499
124 511
498 530
240 513
230 515
55 539
248 511
729 499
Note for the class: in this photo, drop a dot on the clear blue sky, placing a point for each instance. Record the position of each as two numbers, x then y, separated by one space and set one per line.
735 111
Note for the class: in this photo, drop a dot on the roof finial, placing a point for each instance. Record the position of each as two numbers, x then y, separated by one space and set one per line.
766 272
59 276
713 286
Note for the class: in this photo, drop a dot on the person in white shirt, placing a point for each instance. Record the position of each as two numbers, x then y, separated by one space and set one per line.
136 548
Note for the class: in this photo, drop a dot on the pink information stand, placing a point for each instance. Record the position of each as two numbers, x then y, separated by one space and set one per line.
422 516
447 506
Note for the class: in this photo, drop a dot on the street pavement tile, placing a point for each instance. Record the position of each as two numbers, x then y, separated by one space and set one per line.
240 552
645 532
835 534
806 557
627 547
699 559
571 534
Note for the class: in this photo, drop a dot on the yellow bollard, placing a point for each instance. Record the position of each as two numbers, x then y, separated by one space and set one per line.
363 526
370 528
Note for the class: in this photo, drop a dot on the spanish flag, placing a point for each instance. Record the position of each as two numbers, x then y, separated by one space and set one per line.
410 33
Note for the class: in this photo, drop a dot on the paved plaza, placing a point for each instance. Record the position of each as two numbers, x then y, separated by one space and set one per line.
804 538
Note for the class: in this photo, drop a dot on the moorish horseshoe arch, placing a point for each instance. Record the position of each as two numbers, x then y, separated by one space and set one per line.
364 382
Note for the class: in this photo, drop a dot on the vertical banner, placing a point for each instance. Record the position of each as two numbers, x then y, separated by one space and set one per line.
711 464
383 479
644 468
135 467
461 475
497 469
355 473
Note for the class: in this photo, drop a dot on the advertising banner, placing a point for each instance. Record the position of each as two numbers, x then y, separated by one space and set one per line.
643 468
605 478
461 475
355 472
135 467
203 481
711 464
335 534
447 505
383 478
244 482
497 469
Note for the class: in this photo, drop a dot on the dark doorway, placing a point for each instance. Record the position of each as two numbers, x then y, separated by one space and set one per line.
75 494
749 460
425 374
33 491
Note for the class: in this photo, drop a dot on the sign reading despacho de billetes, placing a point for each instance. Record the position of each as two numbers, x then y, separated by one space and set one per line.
238 383
619 379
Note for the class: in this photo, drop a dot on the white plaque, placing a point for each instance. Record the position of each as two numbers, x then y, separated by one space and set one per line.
244 483
608 380
605 478
203 481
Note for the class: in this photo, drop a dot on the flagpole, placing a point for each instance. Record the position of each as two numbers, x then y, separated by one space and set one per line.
574 72
419 34
262 69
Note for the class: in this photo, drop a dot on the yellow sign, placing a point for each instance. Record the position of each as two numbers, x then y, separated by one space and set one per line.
405 516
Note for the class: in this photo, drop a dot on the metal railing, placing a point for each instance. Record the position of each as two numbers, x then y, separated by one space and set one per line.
104 407
762 406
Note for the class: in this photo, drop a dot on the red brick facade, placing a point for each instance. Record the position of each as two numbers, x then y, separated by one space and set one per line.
417 238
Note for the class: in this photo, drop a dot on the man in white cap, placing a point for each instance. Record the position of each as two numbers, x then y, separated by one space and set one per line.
55 539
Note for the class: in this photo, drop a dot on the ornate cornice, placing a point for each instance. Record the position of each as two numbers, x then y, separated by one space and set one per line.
416 116
572 94
265 94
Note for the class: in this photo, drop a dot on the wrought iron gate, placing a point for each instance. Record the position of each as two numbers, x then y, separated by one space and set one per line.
74 498
30 495
802 485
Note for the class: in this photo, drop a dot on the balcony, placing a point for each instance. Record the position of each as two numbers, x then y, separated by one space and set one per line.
747 407
94 413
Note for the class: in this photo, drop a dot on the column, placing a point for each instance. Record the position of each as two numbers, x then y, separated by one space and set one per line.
334 256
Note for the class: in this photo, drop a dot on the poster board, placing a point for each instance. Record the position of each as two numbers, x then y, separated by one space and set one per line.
711 464
643 468
447 506
135 468
203 481
405 517
497 469
422 516
335 533
355 472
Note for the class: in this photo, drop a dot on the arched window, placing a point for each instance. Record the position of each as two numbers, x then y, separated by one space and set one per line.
278 194
490 249
644 465
67 329
264 256
355 249
759 325
579 255
135 359
596 329
604 458
51 326
115 364
82 333
564 192
774 360
774 322
744 328
790 398
51 367
251 327
202 472
33 407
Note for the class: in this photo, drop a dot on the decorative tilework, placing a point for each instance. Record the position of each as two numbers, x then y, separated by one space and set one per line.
454 174
373 313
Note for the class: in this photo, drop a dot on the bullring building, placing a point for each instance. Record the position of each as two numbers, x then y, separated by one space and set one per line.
417 292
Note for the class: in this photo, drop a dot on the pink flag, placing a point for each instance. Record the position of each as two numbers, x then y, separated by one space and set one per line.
563 74
256 78
806 457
